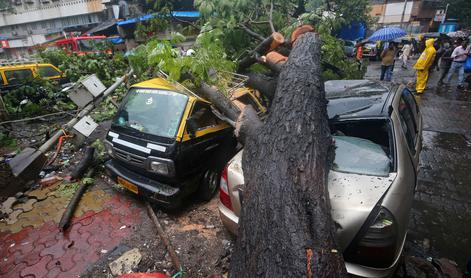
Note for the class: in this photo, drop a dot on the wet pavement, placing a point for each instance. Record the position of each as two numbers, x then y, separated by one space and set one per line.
31 244
440 220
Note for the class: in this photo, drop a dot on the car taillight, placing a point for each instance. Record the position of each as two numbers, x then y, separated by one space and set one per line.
224 190
376 246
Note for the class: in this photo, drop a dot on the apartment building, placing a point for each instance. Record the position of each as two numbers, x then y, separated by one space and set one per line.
415 16
26 23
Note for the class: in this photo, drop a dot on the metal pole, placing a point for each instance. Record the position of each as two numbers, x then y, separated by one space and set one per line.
444 16
87 109
403 12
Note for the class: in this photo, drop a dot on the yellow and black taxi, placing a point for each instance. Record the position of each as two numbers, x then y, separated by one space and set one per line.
165 143
14 75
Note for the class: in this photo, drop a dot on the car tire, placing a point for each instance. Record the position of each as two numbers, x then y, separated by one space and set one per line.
209 184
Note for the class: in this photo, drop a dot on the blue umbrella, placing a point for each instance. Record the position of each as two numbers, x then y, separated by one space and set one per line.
387 34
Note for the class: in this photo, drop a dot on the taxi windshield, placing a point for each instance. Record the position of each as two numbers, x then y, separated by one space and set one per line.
152 111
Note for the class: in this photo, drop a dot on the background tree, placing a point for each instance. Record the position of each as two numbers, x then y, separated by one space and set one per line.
246 23
461 10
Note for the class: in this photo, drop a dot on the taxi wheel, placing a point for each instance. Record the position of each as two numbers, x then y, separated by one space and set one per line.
209 184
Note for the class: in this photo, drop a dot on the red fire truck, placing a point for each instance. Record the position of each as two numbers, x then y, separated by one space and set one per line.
84 44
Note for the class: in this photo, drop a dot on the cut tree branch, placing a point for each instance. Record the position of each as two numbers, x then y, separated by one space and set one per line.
268 44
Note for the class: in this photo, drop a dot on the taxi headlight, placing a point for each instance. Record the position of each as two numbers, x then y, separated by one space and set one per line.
161 166
109 148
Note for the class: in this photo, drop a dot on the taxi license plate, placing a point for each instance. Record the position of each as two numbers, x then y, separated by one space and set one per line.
128 185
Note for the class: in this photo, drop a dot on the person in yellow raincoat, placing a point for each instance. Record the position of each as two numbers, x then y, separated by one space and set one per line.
423 64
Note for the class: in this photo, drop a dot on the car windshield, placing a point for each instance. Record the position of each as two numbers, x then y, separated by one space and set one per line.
152 111
360 156
90 44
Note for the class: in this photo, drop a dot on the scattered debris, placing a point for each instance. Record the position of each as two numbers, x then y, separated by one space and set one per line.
126 263
7 205
50 181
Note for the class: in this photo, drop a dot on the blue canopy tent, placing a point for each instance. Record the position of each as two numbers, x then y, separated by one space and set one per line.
181 14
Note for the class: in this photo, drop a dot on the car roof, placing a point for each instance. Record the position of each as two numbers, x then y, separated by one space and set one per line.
357 98
24 66
163 84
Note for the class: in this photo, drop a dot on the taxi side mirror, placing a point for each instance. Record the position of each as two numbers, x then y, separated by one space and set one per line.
191 127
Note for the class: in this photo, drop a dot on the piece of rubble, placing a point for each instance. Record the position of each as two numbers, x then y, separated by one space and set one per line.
8 204
126 262
26 206
13 217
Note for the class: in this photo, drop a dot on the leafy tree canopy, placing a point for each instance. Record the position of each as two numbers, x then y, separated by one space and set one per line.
461 10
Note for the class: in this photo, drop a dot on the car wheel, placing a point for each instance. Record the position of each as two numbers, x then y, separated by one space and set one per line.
209 185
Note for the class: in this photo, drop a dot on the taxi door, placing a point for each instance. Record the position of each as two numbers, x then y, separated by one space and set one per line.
199 146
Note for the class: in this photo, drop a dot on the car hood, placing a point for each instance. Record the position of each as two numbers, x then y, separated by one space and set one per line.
352 198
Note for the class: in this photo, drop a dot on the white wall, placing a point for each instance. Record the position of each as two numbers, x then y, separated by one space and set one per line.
58 10
393 12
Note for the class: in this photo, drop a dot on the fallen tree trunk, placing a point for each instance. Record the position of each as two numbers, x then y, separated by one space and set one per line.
286 228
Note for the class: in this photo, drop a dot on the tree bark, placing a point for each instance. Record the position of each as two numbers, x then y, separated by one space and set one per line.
286 228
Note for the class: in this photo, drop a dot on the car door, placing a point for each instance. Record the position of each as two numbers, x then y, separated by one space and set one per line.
410 120
413 108
18 77
198 149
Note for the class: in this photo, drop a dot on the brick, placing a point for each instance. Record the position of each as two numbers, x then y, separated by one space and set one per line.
37 270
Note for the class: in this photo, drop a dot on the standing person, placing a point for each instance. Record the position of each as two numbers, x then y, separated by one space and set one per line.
406 53
359 54
415 46
423 64
387 62
439 47
445 61
421 44
459 56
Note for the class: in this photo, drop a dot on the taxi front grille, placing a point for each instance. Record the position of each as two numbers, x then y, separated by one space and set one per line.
129 157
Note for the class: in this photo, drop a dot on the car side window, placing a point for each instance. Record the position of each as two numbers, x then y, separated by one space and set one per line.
203 116
410 100
1 79
48 71
408 124
18 76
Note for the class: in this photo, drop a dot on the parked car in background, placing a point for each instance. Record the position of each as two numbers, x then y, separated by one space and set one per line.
16 74
378 136
349 48
371 51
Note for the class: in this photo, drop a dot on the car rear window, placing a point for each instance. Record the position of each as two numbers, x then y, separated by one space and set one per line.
360 156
